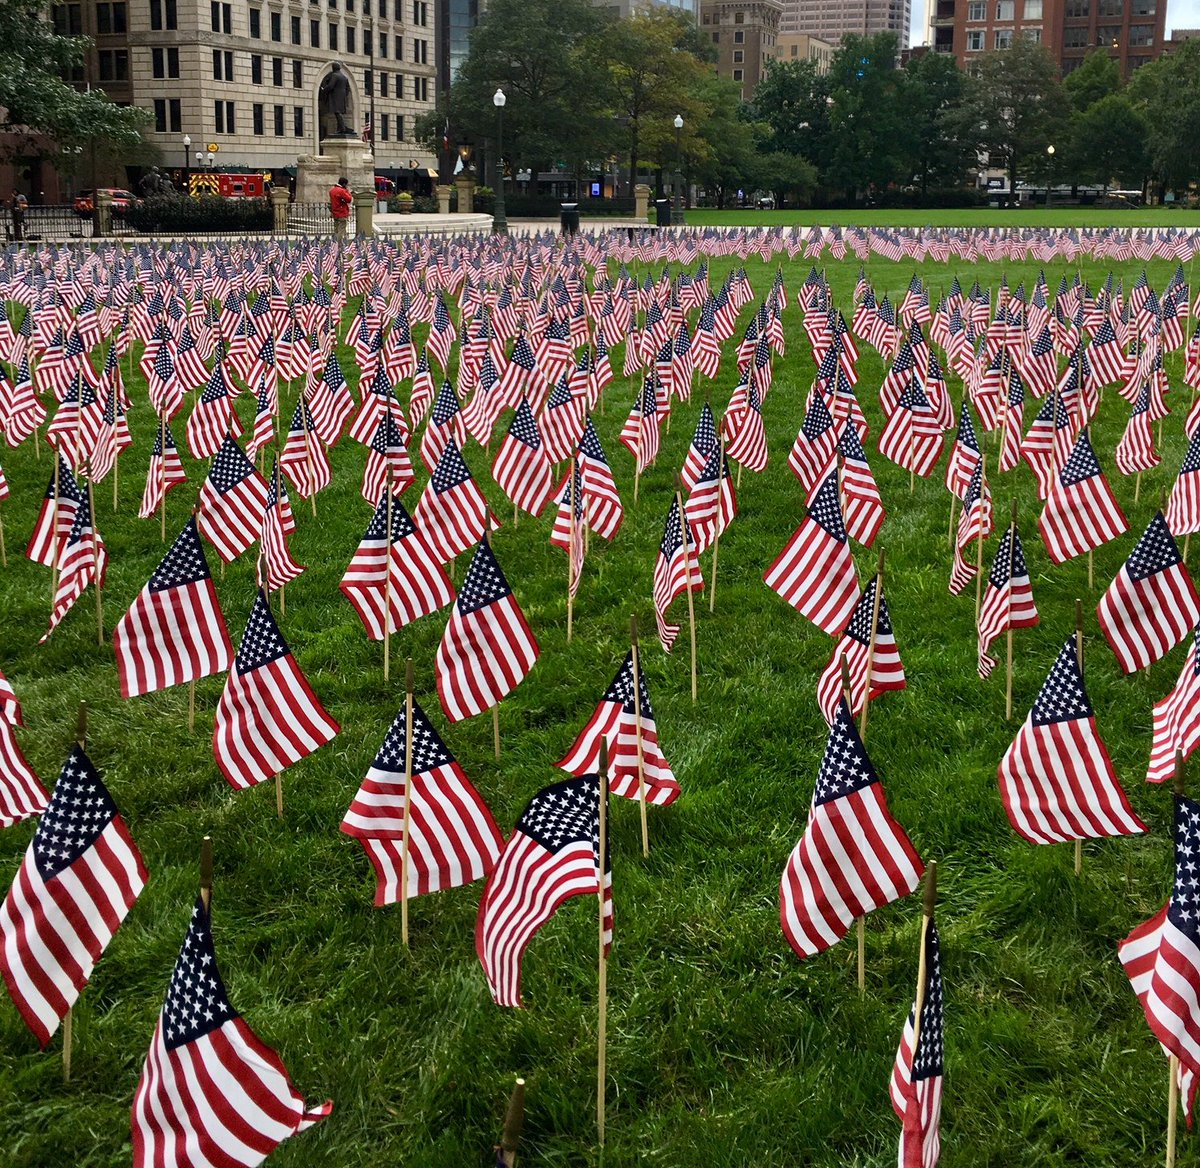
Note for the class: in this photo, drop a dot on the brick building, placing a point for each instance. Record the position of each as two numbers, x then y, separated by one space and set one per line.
744 33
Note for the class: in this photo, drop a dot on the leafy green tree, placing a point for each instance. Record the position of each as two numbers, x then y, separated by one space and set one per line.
545 55
1167 94
940 146
1018 107
33 96
1098 77
1108 140
792 101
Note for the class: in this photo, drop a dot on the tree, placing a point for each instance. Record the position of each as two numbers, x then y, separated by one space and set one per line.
545 55
940 146
33 96
1098 77
1109 141
1167 94
792 101
1017 105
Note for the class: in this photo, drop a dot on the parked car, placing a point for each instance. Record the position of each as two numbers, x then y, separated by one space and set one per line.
766 202
384 187
121 201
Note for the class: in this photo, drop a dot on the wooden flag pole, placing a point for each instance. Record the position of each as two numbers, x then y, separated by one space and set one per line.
308 456
979 543
3 550
96 563
570 550
687 580
387 588
162 470
922 966
602 984
408 772
637 732
1137 482
862 926
637 456
81 739
496 728
712 596
862 725
1008 636
206 871
514 1121
1079 664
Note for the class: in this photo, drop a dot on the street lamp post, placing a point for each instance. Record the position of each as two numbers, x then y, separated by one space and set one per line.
677 209
1049 173
187 157
211 158
499 222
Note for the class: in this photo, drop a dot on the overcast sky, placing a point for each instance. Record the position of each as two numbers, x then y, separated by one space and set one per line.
1180 14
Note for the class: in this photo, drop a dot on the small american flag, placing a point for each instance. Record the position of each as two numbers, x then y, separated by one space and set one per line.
1007 598
276 565
1183 507
56 517
211 1091
268 716
21 792
521 468
304 459
602 503
552 855
488 647
84 561
174 631
676 571
1151 605
1177 719
853 856
453 839
388 462
815 443
165 470
1081 512
1056 779
232 501
452 512
76 884
213 416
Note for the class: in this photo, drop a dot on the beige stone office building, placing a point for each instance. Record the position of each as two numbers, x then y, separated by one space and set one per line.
800 46
744 34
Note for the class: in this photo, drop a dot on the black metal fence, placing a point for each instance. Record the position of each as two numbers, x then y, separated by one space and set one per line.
50 224
312 219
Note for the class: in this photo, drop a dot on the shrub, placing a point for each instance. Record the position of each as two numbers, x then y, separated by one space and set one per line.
175 214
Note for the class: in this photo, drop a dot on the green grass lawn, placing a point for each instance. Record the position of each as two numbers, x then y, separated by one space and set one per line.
724 1049
954 217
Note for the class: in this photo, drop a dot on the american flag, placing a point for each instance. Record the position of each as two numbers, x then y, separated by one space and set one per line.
916 1086
452 512
704 442
330 402
616 721
1135 452
712 503
1056 779
268 716
445 425
601 503
974 526
213 416
570 526
814 572
561 421
388 462
262 430
304 459
1161 957
552 855
747 436
640 434
419 584
174 631
231 503
853 856
56 517
521 468
165 470
452 837
21 792
1183 507
276 565
864 510
676 571
964 456
1081 511
488 647
815 443
1151 605
211 1092
1007 598
912 437
76 884
84 561
886 669
1177 719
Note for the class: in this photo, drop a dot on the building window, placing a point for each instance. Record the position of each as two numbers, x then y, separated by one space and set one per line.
279 121
977 10
1033 10
738 56
255 69
716 38
158 68
424 49
351 41
174 115
314 34
739 37
368 82
256 23
383 44
1112 8
222 65
399 127
1075 37
368 51
737 73
68 19
295 29
399 84
256 113
222 18
298 121
160 115
1141 34
110 18
739 18
277 26
1143 7
383 85
420 13
1079 8
1004 37
277 71
297 75
349 5
223 119
420 88
171 11
383 128
333 37
1033 35
156 16
1004 9
975 40
114 64
1108 34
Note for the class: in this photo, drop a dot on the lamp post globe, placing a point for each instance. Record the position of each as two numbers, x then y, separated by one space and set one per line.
677 203
187 157
499 221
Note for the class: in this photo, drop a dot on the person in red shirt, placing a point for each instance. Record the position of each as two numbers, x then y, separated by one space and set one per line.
340 202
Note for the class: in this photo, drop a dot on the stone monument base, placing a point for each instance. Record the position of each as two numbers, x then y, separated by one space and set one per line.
316 173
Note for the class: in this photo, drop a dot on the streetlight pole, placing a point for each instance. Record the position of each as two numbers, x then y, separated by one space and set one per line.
187 157
677 209
499 221
1049 174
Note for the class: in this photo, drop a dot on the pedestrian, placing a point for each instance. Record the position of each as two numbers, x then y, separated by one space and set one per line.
19 205
340 202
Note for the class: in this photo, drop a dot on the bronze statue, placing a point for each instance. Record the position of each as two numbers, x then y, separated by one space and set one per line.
334 99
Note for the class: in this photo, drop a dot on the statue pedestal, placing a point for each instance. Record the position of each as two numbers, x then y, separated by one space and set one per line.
316 173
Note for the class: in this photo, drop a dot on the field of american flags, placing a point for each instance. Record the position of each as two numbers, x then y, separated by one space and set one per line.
723 1047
